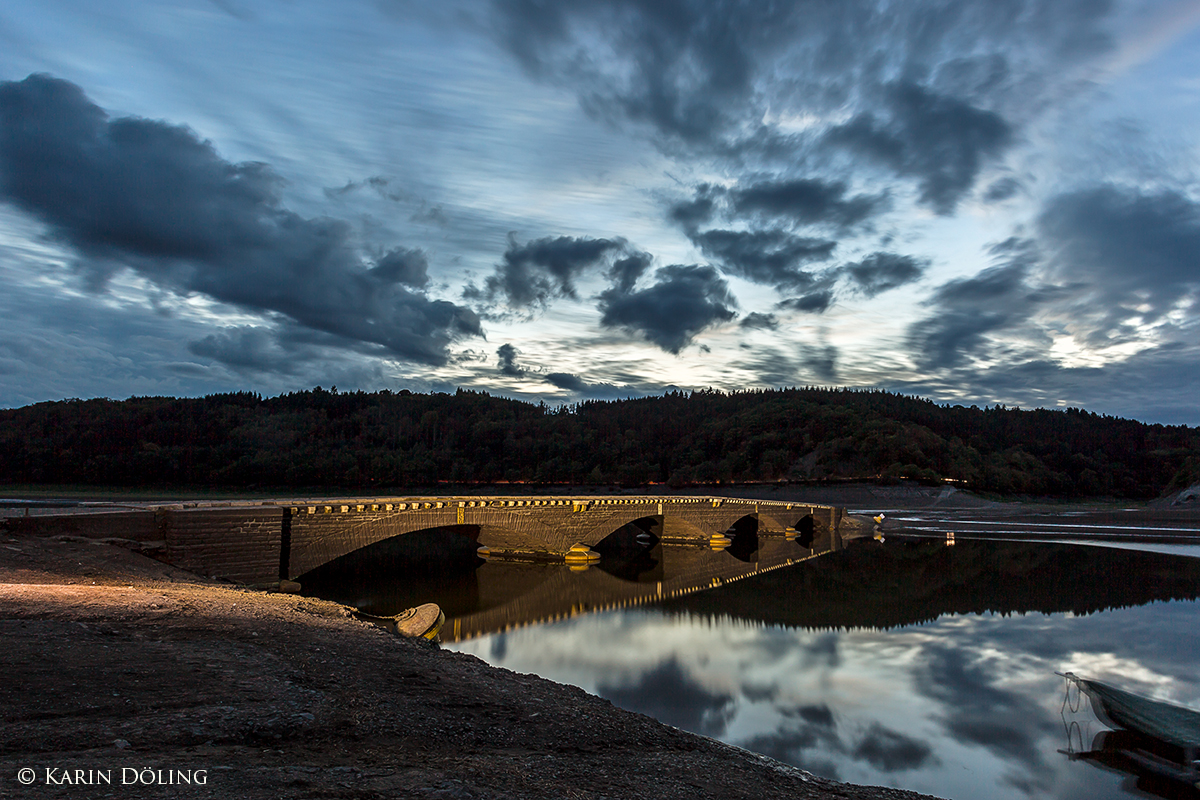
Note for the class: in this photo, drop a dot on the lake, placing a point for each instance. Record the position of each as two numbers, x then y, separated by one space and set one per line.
924 661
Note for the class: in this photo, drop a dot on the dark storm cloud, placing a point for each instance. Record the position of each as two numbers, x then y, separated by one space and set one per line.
1002 190
153 197
567 381
941 141
670 695
806 201
600 390
813 303
796 202
684 68
1111 260
508 361
252 348
932 87
772 257
1135 249
626 271
691 214
533 273
880 272
401 265
755 320
966 310
1116 389
682 302
890 751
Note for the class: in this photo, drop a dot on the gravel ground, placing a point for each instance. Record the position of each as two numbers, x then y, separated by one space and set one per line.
119 667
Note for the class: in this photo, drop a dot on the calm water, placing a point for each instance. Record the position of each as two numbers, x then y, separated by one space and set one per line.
904 663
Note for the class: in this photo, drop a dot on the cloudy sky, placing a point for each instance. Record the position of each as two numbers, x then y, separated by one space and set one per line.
977 202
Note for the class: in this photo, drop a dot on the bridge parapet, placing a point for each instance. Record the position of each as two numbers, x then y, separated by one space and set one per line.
262 542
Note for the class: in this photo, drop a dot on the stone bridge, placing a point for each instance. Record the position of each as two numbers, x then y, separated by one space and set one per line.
262 543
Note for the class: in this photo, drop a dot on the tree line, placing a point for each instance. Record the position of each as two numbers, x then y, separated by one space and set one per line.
379 440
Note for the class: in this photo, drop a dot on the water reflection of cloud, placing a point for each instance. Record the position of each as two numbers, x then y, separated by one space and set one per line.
892 751
802 744
975 709
963 706
670 695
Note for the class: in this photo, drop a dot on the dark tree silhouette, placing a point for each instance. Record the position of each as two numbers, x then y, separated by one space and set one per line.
357 440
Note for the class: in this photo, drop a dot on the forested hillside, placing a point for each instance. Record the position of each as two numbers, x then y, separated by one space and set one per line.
381 440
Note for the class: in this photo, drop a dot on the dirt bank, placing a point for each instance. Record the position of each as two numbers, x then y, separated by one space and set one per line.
119 669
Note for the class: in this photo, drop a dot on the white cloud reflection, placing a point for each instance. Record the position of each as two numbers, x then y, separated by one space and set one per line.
965 706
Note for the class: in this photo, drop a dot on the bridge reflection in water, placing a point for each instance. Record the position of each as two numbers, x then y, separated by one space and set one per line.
481 597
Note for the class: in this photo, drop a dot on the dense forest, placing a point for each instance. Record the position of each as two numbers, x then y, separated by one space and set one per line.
383 440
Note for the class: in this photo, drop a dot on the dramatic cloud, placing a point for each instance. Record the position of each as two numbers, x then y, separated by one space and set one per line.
806 201
826 152
599 390
690 214
251 348
771 257
508 361
409 267
378 183
684 68
966 310
533 273
626 271
755 320
708 73
880 272
796 202
684 301
154 198
567 381
1139 252
942 141
814 303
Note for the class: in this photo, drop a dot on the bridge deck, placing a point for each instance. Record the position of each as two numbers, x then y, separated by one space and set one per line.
263 542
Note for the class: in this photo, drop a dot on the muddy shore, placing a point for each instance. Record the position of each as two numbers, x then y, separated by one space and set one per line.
124 676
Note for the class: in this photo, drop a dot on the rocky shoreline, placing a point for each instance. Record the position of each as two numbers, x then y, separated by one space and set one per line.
117 665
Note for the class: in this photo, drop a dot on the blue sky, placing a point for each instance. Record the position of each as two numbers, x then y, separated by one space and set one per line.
974 202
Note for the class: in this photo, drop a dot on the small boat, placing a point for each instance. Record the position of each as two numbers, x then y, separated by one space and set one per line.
1159 738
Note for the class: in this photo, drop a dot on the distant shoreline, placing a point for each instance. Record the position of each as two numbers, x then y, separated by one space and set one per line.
826 492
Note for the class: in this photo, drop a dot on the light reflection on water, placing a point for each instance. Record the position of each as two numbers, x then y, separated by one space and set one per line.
963 706
906 663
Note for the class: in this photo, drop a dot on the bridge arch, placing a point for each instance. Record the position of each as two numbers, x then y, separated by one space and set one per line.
743 536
